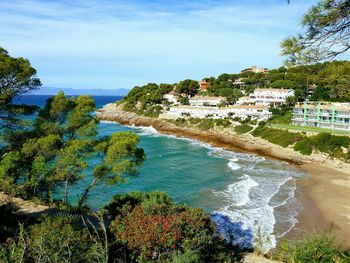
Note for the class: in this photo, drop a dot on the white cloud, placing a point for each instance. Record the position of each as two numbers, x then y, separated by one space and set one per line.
115 44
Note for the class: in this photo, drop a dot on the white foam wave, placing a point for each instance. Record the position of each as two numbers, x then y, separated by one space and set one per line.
145 130
104 121
233 165
238 193
260 220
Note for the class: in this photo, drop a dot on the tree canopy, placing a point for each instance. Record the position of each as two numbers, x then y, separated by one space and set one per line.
326 34
17 77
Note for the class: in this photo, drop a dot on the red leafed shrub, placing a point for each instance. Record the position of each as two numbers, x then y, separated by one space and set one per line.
166 229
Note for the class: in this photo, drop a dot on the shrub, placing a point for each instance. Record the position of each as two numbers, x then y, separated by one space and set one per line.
244 128
124 202
206 124
189 256
253 122
194 120
327 143
316 248
158 234
304 146
223 122
262 123
245 121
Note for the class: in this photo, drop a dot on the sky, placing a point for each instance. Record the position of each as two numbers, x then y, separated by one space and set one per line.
106 44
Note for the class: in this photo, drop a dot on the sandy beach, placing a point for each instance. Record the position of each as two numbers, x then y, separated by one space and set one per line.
329 190
324 195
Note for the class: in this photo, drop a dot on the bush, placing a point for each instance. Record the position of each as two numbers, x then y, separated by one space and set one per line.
304 146
128 201
316 248
244 128
327 143
53 240
189 256
223 122
262 123
206 124
158 234
253 122
194 121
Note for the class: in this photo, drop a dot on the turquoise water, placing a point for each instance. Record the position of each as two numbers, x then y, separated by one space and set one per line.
254 190
257 191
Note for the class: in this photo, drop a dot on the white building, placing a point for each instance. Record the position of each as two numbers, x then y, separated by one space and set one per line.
171 97
269 96
206 101
258 112
193 111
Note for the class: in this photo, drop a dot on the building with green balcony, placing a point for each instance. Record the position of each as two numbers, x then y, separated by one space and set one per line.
322 115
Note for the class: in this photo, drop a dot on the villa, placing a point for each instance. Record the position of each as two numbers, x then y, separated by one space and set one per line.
203 85
323 115
206 101
242 111
172 97
255 69
269 96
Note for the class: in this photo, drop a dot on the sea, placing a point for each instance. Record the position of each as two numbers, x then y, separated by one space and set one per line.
256 192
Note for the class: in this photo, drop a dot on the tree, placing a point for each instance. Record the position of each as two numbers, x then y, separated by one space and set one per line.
284 84
327 34
64 138
17 77
118 157
188 87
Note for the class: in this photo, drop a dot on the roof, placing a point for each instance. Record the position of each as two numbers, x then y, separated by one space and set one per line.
275 90
262 107
327 106
206 98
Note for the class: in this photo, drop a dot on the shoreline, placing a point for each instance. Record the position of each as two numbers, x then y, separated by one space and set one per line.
324 194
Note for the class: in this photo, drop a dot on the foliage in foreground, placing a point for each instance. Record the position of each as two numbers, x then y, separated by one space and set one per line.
146 227
320 247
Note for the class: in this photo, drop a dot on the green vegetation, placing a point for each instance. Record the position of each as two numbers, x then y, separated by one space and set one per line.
331 80
279 137
204 124
320 247
307 128
244 128
146 227
326 27
326 143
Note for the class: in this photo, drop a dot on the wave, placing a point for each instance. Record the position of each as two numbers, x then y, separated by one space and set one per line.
238 193
233 165
262 192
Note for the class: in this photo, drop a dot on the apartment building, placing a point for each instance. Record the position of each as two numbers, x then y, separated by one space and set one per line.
172 97
255 69
269 96
323 115
206 101
244 111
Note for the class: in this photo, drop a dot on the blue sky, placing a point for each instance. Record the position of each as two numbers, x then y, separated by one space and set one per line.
107 44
